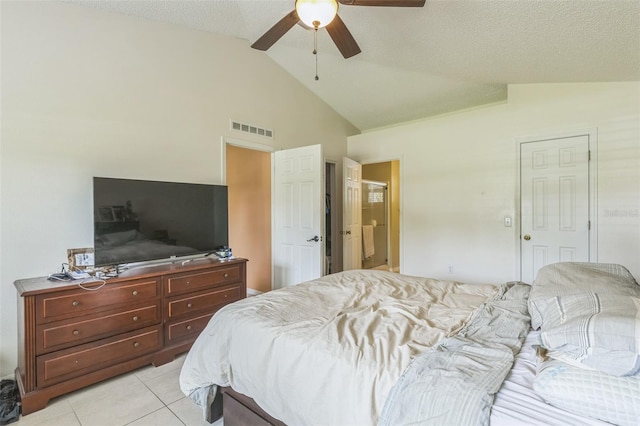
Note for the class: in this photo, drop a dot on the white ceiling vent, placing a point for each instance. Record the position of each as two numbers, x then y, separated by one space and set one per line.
248 128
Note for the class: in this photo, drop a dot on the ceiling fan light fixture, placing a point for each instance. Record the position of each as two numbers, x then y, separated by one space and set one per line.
316 13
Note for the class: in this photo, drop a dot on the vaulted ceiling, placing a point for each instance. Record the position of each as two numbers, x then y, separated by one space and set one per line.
420 62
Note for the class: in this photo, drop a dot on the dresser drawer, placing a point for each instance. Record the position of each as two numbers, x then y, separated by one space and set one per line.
72 303
62 334
69 363
195 281
187 329
192 303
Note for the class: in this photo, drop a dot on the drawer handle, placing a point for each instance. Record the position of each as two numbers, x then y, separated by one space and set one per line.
75 303
226 275
189 327
134 292
189 305
136 344
188 282
135 318
226 295
76 332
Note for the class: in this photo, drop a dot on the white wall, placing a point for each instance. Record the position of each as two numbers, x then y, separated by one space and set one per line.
458 177
88 93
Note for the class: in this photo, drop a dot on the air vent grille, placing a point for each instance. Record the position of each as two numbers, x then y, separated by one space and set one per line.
254 130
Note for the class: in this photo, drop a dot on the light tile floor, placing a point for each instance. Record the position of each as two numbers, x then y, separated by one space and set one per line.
147 396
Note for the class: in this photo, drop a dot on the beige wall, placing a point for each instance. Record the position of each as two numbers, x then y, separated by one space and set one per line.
88 93
459 177
249 182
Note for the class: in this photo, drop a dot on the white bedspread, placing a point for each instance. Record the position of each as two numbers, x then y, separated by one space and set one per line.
330 350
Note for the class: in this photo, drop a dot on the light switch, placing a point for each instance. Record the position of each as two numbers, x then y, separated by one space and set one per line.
507 221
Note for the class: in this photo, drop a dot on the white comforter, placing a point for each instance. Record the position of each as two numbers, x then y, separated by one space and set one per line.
328 351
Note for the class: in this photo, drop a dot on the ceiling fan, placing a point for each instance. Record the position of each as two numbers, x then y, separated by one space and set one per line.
315 14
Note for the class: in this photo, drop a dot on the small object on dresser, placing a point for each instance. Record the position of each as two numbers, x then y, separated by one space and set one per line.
223 253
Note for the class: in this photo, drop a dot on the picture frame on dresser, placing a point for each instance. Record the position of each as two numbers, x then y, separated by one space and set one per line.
105 214
80 258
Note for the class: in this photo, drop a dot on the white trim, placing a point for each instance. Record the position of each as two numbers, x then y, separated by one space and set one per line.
239 143
592 137
273 220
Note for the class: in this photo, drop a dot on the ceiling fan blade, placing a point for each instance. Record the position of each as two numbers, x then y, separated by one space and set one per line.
342 38
278 30
390 3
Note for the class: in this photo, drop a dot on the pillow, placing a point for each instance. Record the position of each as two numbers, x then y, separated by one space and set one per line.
601 331
589 392
568 278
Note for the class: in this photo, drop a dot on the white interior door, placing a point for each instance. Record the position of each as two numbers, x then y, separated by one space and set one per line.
298 215
554 192
351 214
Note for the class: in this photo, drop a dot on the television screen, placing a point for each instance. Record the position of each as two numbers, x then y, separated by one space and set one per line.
137 220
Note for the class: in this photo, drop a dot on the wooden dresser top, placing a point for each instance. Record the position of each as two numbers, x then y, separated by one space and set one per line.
32 286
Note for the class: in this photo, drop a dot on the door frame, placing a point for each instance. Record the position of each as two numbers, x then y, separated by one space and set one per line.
592 137
242 144
223 179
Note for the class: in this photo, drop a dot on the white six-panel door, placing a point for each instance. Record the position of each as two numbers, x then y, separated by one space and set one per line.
298 215
554 192
351 214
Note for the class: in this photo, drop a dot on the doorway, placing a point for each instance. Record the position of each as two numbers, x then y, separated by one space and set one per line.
331 219
386 173
248 178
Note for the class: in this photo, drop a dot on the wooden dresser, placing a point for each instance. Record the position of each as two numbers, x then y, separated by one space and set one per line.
71 337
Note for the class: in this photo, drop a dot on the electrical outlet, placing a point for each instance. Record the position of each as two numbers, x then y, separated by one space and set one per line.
450 269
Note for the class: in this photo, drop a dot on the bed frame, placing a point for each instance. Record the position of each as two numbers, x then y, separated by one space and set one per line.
240 410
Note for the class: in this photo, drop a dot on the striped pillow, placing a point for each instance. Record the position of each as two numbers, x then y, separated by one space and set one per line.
569 278
600 331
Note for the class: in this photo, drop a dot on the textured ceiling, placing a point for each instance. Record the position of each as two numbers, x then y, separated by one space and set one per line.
419 62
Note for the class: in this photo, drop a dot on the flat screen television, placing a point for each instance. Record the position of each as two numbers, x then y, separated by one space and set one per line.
139 220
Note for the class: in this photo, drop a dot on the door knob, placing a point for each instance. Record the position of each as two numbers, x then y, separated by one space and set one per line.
316 239
527 237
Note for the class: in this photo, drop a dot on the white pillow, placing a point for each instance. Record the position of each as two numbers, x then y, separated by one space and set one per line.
589 392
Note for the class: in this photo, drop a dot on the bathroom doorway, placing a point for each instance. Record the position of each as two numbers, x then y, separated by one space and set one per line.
381 215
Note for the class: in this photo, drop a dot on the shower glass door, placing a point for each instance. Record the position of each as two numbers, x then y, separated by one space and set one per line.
374 224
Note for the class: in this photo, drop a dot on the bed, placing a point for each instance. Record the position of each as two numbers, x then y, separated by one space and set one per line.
373 347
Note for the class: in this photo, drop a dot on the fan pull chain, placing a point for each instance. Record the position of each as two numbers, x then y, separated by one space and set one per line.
315 49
